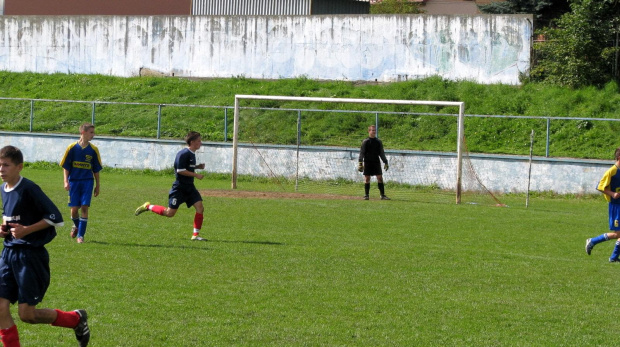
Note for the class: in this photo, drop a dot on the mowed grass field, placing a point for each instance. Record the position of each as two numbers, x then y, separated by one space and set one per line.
287 272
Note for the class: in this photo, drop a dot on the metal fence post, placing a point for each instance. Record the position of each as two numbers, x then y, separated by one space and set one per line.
159 121
377 123
92 115
547 142
31 113
225 124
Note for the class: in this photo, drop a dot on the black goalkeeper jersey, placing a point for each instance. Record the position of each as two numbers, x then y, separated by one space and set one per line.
372 150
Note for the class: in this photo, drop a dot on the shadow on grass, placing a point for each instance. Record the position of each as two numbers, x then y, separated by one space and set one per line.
267 243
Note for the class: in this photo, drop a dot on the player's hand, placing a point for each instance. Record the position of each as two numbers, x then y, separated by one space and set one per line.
386 167
5 231
199 176
18 230
96 192
360 167
200 166
67 186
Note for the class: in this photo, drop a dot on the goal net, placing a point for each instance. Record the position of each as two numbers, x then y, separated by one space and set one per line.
275 149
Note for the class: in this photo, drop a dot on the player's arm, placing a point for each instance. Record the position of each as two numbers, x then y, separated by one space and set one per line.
610 193
96 175
66 178
383 157
190 174
360 160
362 152
66 163
604 185
20 231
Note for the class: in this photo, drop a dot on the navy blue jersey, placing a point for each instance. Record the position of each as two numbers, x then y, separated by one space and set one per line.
372 150
185 161
26 204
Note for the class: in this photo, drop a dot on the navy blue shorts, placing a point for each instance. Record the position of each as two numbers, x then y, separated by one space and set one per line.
24 274
183 193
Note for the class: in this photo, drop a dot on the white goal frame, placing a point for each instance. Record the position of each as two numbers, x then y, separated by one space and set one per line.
460 132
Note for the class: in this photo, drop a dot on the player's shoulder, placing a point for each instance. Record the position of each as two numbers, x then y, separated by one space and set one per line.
72 145
28 183
93 146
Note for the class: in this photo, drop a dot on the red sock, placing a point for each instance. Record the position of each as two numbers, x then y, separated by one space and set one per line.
66 319
10 337
157 209
198 220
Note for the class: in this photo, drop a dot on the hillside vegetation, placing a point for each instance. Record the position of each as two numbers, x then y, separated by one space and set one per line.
568 138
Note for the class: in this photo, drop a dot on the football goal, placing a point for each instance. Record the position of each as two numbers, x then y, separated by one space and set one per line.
299 166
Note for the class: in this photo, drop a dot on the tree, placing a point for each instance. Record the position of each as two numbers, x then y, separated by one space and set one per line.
544 11
395 7
582 49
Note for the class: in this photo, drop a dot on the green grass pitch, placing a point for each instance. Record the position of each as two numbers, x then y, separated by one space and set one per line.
329 272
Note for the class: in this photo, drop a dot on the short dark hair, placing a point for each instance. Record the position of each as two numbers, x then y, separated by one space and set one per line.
191 136
86 127
617 154
12 153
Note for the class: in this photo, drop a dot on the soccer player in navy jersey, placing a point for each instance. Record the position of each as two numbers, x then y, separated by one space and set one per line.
369 164
610 186
183 189
81 165
28 224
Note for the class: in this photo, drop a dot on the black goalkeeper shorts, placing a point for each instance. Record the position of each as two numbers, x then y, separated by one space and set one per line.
372 169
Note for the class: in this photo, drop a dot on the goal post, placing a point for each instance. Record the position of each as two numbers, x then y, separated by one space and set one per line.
460 130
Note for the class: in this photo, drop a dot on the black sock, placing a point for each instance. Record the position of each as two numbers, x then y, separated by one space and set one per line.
381 189
367 188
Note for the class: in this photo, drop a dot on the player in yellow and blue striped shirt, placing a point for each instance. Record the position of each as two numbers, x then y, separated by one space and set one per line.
81 165
610 186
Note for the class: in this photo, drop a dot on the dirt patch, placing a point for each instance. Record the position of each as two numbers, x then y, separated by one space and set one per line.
244 194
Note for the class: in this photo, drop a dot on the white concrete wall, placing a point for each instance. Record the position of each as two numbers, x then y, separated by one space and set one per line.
482 48
506 174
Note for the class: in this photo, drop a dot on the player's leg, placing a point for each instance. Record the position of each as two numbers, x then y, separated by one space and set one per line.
175 199
76 320
381 187
198 218
366 187
83 223
75 218
31 315
194 199
614 227
74 205
86 193
8 329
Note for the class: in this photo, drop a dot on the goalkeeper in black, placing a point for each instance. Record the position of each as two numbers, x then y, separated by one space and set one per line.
369 164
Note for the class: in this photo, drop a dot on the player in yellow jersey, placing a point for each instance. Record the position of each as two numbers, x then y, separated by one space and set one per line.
610 186
81 165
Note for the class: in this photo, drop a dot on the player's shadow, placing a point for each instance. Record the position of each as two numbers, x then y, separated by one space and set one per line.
206 243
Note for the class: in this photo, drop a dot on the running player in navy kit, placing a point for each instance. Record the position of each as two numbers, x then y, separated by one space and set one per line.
610 186
81 165
183 189
29 221
369 164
